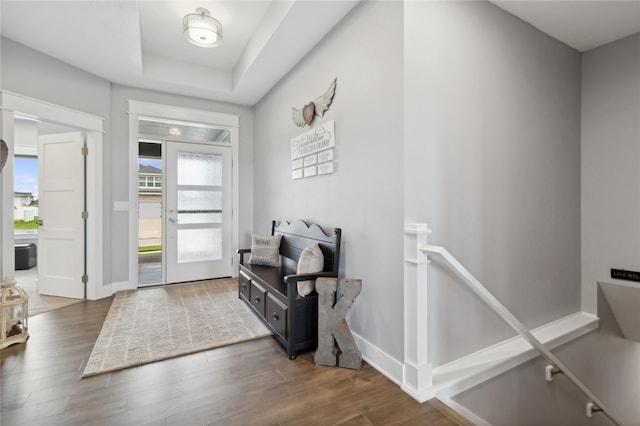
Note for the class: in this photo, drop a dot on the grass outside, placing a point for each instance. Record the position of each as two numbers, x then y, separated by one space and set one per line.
21 225
147 249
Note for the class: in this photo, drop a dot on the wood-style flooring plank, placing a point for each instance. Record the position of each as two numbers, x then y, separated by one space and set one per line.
247 383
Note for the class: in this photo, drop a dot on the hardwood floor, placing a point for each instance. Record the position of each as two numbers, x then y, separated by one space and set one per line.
251 383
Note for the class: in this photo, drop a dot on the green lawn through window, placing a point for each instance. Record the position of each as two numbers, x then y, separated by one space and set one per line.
146 249
21 225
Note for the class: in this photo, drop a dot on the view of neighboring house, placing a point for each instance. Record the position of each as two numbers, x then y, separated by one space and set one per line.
149 187
22 199
25 206
150 205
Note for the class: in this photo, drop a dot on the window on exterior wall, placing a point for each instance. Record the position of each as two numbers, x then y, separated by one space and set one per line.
147 181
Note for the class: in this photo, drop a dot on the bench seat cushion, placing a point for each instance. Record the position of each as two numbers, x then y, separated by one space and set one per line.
274 276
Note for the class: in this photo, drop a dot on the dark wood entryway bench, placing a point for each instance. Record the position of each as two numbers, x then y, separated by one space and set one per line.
272 292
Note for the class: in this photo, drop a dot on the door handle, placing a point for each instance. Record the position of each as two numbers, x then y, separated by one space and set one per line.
40 222
172 220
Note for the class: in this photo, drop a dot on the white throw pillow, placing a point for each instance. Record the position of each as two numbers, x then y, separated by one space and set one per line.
311 260
265 250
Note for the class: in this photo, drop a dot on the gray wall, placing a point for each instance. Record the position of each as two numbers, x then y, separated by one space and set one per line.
492 164
364 195
610 170
33 74
119 154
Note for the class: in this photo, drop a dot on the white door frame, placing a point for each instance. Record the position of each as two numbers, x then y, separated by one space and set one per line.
137 109
93 129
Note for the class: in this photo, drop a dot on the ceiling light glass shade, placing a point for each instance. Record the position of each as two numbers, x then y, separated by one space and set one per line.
201 29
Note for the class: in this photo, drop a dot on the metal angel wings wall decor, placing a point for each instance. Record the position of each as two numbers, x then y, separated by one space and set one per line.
303 116
4 153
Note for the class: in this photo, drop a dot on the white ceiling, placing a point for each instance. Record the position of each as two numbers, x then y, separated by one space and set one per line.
582 24
140 43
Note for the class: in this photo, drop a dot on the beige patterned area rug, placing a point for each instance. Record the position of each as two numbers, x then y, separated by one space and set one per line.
149 325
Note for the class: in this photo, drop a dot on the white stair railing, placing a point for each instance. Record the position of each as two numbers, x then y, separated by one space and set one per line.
556 366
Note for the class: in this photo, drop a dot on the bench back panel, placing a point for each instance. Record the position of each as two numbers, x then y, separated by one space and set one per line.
297 235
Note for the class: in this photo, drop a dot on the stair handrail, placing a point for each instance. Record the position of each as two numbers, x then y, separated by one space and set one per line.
595 404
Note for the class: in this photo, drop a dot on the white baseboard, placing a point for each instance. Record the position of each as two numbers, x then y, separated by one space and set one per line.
99 292
108 290
121 285
380 360
463 411
421 397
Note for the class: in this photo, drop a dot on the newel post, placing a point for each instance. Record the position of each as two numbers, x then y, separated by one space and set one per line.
417 380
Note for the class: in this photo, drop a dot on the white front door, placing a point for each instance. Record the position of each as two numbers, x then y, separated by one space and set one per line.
61 248
198 212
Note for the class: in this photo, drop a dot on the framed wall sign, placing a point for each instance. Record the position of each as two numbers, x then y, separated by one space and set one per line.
325 156
314 140
325 168
310 160
312 152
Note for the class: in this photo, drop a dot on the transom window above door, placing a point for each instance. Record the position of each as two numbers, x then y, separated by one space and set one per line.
184 130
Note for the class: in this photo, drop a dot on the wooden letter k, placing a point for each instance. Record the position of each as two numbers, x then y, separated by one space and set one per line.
332 326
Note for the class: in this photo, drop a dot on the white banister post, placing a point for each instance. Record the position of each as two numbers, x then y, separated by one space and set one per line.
417 380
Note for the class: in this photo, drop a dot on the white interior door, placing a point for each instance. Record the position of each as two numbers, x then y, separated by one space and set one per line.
61 248
198 212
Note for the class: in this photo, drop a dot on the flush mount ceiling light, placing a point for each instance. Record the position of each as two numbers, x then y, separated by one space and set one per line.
201 29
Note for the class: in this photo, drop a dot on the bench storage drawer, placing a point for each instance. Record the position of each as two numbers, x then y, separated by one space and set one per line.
245 286
257 299
276 315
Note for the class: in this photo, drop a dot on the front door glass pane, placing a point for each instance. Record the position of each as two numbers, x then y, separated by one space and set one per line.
199 207
197 245
196 168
